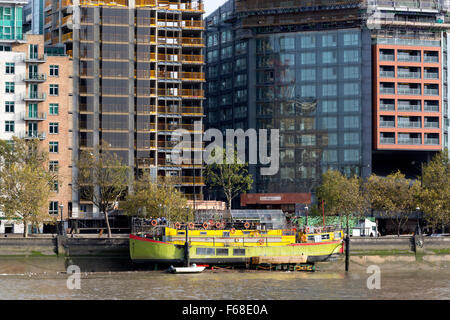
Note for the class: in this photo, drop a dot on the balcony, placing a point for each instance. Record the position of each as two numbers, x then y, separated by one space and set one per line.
387 107
387 90
431 75
169 75
34 96
192 59
145 145
410 141
431 108
409 107
387 57
33 116
36 58
67 3
387 74
387 124
34 135
408 91
431 141
431 59
431 92
408 75
387 140
193 93
192 42
408 58
66 20
410 124
193 24
431 125
193 76
34 77
192 110
192 180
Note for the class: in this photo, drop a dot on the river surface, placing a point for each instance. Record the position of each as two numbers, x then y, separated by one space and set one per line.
232 285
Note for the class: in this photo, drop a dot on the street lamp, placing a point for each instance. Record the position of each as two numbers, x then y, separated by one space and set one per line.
306 211
418 225
61 206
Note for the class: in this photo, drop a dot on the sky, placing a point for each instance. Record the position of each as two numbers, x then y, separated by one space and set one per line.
211 5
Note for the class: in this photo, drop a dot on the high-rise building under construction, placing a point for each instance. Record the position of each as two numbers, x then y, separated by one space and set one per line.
138 76
354 85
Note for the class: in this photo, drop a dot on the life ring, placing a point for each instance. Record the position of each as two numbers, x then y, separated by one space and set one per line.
205 225
294 229
246 225
218 224
303 238
177 225
261 241
154 223
233 230
191 225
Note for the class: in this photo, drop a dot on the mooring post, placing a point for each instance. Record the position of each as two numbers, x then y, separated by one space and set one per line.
186 248
347 250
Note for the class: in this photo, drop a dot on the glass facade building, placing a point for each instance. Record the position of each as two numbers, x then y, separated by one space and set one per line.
11 20
308 85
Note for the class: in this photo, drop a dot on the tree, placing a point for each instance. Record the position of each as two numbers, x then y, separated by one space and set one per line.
342 195
25 182
157 197
394 196
435 194
102 179
230 175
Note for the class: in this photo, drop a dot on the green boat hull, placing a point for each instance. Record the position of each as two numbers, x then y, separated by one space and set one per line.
144 250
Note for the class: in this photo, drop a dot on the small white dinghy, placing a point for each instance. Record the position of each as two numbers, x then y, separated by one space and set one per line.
191 269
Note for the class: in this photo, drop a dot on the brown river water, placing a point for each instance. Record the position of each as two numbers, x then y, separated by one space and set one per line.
234 285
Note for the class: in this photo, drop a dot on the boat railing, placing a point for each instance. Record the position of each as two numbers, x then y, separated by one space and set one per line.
320 229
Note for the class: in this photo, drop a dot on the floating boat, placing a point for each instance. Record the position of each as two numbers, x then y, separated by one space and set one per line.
191 269
216 243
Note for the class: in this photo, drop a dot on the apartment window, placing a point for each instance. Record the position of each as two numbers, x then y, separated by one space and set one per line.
9 69
351 39
351 105
351 72
53 165
328 40
351 155
9 87
54 70
308 58
351 89
329 73
308 91
226 52
329 90
331 139
351 138
351 56
329 123
329 57
53 208
240 64
9 126
329 106
308 41
53 109
240 47
329 156
308 74
53 128
351 122
53 147
287 43
9 106
55 186
54 89
226 36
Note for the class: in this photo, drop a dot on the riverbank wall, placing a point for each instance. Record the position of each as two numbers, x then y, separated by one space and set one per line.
50 254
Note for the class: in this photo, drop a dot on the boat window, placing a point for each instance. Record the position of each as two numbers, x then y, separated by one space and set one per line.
238 252
180 232
203 233
222 252
205 251
246 232
310 238
226 233
325 236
